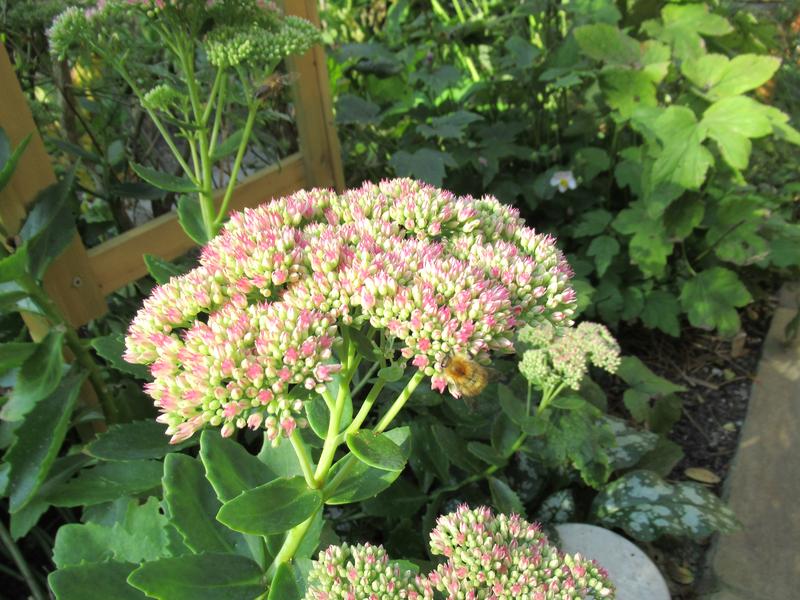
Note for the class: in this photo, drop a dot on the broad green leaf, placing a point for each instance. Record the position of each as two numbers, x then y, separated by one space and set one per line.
450 126
208 576
425 164
391 373
135 189
607 43
631 446
661 311
711 298
39 438
558 507
271 508
634 372
112 347
376 450
14 354
663 458
592 223
627 90
666 411
682 216
319 415
683 160
107 482
603 248
649 247
191 219
8 163
161 270
360 481
590 162
192 505
38 377
504 499
284 586
280 460
638 404
97 581
647 507
230 468
730 122
352 110
633 303
134 441
684 24
720 77
165 181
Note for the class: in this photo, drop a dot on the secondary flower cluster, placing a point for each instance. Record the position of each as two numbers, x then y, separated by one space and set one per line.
564 356
231 342
487 557
250 33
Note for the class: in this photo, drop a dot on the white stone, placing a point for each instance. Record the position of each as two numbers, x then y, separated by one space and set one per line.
630 570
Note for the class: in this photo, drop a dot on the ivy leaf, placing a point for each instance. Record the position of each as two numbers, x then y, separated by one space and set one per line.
730 123
627 90
683 159
603 248
649 247
711 298
683 26
647 507
720 77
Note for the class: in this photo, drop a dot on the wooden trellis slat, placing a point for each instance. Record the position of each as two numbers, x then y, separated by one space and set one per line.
79 280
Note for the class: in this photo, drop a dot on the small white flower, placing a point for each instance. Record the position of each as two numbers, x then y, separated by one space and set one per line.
563 180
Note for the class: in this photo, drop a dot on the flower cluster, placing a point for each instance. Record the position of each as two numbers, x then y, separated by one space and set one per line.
231 341
564 356
251 33
364 572
487 557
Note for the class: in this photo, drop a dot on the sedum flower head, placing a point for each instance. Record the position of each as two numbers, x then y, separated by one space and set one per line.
363 572
239 340
556 356
505 558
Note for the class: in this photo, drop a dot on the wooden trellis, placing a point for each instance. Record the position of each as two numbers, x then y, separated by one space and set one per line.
80 279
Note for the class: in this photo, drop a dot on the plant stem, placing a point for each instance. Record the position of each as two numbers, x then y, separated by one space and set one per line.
366 406
364 380
304 458
290 545
237 163
400 402
22 565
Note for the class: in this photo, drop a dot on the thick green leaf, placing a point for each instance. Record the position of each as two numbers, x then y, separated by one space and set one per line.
361 481
190 217
140 536
230 468
272 508
391 373
161 270
165 181
134 441
38 377
607 43
192 506
376 450
39 438
14 354
107 482
504 499
112 347
207 576
647 507
97 581
280 460
15 265
135 189
634 372
8 163
401 499
711 298
318 415
284 586
486 453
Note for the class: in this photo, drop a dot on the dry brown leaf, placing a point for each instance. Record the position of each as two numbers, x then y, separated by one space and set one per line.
702 475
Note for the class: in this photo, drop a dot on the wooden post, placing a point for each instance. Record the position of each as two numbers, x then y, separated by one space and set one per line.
70 279
319 143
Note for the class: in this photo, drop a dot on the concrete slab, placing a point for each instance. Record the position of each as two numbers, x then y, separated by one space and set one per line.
762 561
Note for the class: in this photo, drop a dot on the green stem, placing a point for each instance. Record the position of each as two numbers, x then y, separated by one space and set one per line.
400 402
364 380
304 458
366 406
22 565
237 163
221 97
290 545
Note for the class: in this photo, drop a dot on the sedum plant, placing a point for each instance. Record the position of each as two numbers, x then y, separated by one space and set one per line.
493 557
195 62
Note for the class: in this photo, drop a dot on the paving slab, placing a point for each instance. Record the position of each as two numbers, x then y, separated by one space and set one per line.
762 560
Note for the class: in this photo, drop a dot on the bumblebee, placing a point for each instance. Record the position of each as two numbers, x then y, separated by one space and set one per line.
464 376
